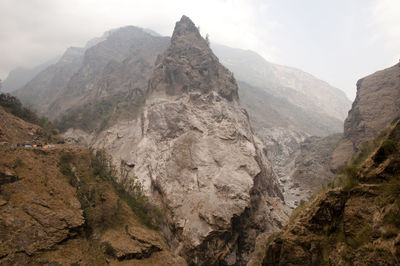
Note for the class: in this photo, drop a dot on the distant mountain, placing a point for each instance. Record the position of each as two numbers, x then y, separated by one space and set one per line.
110 70
43 89
20 76
298 87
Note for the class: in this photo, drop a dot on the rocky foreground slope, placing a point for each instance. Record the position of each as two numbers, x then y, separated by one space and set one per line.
194 150
56 209
375 107
354 223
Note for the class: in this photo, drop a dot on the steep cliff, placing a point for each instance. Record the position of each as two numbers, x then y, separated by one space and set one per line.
355 222
57 209
194 150
375 107
286 106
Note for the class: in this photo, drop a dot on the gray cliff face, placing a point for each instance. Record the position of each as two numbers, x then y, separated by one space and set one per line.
375 107
195 152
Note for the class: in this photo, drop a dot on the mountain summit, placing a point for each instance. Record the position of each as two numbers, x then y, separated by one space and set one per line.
189 66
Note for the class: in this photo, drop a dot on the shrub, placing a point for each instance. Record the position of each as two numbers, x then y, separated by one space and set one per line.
128 188
14 106
387 148
347 177
395 120
361 237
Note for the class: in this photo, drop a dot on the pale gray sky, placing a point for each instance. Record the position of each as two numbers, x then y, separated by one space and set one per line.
338 41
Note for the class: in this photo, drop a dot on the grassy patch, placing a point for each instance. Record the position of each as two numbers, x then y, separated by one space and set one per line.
369 147
387 148
346 177
101 114
296 212
363 236
94 181
12 104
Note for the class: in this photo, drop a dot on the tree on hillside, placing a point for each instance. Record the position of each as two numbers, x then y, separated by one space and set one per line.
1 85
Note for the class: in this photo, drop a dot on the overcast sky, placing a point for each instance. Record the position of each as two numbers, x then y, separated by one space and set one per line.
338 41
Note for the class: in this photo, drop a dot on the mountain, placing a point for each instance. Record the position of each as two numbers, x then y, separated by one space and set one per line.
106 82
44 88
197 156
375 107
299 88
58 206
19 77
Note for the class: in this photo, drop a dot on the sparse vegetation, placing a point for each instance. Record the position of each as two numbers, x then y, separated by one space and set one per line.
369 147
388 147
347 177
93 183
12 105
99 115
361 237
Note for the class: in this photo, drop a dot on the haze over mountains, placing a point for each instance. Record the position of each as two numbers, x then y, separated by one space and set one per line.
93 87
213 146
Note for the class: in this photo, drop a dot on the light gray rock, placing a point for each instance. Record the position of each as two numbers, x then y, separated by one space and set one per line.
194 150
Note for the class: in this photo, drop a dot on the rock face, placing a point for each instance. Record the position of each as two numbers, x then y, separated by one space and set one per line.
354 223
196 154
55 211
375 107
286 106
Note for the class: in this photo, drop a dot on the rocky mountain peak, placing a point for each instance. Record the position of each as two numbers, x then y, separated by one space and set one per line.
184 28
190 68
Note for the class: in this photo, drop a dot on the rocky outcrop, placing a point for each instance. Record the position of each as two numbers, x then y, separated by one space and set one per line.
355 223
54 210
311 169
196 154
375 107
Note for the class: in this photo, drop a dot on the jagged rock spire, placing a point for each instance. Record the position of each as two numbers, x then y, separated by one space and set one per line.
190 67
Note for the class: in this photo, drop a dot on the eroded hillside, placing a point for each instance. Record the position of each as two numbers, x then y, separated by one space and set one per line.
354 222
58 205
